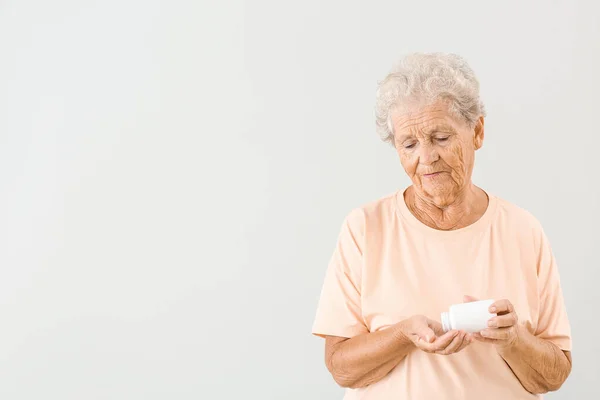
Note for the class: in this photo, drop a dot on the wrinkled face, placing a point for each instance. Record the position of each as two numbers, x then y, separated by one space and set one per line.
437 150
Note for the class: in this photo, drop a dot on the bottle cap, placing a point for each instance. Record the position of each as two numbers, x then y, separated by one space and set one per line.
446 322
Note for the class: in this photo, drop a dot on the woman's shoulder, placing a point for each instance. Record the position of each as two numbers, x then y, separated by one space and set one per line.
510 212
379 209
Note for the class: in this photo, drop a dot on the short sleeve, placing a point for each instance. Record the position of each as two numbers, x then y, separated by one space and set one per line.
553 323
339 309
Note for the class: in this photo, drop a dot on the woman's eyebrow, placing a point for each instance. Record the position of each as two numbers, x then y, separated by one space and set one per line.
434 128
404 137
440 128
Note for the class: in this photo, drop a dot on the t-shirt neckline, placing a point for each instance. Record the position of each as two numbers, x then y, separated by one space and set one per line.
476 226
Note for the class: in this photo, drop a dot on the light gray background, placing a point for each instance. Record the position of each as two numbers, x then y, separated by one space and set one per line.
174 175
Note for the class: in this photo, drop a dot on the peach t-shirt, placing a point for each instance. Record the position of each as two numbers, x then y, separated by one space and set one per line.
387 266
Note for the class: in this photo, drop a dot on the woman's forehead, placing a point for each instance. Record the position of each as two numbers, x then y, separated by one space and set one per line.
426 119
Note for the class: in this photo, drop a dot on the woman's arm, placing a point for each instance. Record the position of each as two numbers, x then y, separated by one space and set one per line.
365 359
539 364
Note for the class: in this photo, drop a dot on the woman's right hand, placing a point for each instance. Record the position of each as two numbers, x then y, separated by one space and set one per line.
428 335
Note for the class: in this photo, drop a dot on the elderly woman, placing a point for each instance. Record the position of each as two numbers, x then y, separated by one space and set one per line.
403 259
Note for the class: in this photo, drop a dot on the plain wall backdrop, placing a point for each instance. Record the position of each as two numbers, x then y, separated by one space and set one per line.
174 175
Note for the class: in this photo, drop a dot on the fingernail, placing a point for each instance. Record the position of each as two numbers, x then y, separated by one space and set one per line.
492 323
484 333
492 309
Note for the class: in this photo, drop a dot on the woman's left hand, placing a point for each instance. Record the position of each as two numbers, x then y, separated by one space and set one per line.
503 329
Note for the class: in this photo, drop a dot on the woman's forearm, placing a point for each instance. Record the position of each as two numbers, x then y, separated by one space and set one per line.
539 364
367 358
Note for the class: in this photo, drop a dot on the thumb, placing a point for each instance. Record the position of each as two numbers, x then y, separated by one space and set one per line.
437 328
426 334
468 299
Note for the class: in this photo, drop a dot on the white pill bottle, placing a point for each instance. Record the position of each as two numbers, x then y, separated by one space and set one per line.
469 317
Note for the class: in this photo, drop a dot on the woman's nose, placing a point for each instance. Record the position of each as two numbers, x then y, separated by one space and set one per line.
428 154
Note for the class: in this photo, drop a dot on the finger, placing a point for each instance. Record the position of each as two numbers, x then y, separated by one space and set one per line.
468 299
444 341
503 321
497 333
482 339
501 307
426 334
440 343
465 343
436 327
468 340
477 337
454 344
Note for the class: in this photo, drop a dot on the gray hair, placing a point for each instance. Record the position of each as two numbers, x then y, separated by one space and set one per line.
426 78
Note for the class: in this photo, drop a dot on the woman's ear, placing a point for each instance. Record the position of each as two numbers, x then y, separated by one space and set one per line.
479 133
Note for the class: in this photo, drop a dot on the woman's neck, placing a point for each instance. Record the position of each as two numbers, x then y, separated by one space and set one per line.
463 209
